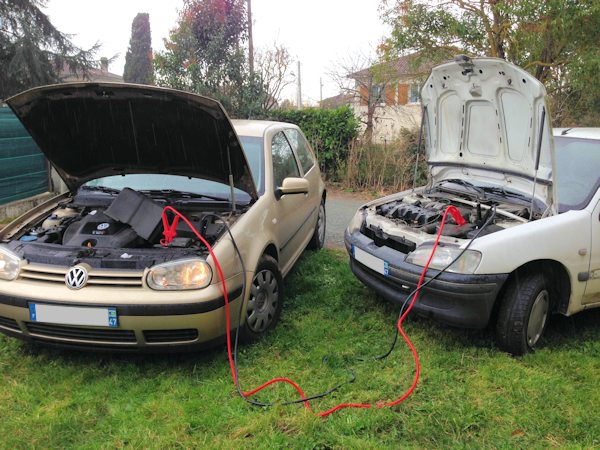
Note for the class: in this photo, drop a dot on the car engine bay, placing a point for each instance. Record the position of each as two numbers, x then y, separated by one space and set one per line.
122 233
417 216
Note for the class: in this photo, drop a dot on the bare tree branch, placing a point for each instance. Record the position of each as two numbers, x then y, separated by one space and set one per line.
273 66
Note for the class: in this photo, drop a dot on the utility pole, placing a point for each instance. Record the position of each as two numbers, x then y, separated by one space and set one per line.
250 43
299 89
320 92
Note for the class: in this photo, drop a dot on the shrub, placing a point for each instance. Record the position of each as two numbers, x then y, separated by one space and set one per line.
388 166
331 133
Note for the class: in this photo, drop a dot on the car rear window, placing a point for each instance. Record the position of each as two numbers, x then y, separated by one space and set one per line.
577 171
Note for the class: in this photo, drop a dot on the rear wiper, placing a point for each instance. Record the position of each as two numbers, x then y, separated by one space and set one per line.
465 183
104 189
179 195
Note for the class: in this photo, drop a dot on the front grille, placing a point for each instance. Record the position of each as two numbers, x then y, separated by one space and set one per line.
81 334
104 277
11 324
163 336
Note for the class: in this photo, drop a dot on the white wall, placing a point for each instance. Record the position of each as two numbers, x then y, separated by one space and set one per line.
389 120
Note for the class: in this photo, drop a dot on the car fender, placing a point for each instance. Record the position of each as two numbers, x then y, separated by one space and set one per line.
565 238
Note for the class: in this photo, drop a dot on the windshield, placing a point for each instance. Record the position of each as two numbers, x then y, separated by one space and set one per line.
158 182
253 149
577 171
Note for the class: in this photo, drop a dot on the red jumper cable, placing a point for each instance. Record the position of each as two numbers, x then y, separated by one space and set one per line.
170 231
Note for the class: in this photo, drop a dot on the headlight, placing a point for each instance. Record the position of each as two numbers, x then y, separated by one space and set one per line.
356 221
180 275
467 263
9 264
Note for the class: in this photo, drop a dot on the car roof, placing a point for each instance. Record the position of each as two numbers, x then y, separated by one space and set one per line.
257 128
582 133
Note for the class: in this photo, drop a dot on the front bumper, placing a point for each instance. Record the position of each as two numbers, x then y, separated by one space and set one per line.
142 327
457 299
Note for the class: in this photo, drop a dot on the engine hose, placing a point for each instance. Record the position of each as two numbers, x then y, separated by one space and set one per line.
170 232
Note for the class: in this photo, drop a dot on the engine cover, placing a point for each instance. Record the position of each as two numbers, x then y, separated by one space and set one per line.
99 230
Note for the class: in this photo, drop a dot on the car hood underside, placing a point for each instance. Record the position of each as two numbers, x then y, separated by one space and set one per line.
92 130
483 120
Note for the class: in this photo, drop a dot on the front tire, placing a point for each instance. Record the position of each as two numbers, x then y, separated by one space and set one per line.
523 313
318 238
265 301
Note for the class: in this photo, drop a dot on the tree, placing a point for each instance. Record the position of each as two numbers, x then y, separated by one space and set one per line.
372 82
32 51
205 53
138 60
274 74
556 40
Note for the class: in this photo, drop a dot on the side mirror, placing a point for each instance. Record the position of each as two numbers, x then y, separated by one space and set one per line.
291 186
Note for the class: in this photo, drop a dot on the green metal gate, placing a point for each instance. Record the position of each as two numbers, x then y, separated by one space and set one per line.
23 168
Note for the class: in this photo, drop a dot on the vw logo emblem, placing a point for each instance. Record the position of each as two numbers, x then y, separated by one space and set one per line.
76 278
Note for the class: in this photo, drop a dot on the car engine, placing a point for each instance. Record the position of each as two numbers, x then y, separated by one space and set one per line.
423 213
124 234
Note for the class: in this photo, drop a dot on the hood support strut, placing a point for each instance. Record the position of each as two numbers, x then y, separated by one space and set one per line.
538 152
423 118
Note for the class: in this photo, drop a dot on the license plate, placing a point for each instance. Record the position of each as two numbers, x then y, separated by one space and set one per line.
372 262
74 315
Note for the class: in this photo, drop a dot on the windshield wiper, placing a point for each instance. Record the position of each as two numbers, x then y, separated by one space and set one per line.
181 195
104 189
480 192
501 191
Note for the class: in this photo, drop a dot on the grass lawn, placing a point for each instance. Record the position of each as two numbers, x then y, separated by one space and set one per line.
470 394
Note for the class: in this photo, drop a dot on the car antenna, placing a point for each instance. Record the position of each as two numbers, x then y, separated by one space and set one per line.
423 118
537 158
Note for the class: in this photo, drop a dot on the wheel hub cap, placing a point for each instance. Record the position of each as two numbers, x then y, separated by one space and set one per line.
264 297
321 223
538 317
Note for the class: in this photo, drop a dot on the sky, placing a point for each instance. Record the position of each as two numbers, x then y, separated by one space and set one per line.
318 33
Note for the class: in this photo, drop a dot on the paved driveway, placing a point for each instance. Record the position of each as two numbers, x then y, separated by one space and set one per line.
340 209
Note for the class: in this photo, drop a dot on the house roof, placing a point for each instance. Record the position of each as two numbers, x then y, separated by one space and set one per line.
402 66
98 75
336 101
93 75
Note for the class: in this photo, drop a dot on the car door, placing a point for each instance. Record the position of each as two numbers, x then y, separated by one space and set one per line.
592 289
308 165
289 209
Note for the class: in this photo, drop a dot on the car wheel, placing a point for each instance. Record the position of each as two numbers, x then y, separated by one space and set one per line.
318 239
265 300
523 313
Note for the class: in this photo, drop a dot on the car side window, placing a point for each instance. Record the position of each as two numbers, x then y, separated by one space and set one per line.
305 155
284 162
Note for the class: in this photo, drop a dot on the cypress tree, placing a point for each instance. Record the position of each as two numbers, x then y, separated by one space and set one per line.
138 60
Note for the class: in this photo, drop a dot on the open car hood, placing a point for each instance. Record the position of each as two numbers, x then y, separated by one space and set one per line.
92 130
483 118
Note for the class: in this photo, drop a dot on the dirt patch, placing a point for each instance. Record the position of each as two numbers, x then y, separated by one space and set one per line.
336 191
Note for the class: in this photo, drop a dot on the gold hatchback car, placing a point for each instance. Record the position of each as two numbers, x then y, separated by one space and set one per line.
92 268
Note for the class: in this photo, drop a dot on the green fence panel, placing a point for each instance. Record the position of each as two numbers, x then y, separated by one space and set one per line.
23 167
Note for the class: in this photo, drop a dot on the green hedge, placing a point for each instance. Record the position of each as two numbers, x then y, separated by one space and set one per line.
329 131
